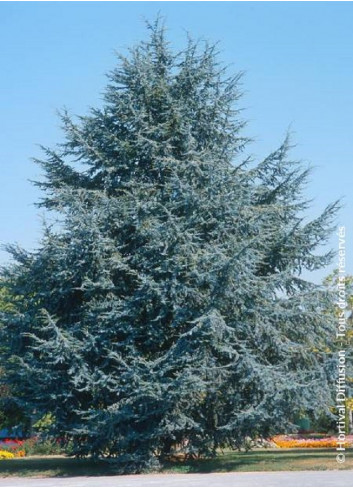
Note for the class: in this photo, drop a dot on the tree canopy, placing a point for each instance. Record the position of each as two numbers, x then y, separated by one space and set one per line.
164 309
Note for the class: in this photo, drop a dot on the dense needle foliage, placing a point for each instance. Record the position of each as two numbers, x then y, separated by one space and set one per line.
164 310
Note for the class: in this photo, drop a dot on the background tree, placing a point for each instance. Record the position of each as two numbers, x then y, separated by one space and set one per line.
12 416
331 282
164 309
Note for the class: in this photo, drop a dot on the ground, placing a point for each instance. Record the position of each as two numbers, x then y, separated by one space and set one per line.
309 478
254 461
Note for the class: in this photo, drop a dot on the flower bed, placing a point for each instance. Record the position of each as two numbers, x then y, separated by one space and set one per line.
10 448
5 455
31 446
288 441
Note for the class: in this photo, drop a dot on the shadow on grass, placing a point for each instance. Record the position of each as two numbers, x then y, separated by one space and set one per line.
54 467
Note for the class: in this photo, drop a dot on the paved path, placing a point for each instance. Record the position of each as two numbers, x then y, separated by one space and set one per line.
342 478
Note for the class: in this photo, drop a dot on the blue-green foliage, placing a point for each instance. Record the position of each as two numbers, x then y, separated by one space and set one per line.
164 310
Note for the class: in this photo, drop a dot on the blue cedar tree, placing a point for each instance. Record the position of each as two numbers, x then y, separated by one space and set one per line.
164 310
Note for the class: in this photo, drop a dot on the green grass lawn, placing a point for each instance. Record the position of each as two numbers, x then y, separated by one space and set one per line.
256 460
267 460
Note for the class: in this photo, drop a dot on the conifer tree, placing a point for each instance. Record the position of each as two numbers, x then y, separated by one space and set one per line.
164 310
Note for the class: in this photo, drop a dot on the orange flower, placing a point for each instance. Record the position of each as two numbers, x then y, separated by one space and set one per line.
283 441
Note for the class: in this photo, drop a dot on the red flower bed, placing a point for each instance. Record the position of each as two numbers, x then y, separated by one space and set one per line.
13 446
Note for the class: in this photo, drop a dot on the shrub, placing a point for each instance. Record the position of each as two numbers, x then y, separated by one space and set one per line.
40 446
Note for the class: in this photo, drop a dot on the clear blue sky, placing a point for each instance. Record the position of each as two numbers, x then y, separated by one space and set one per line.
298 60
